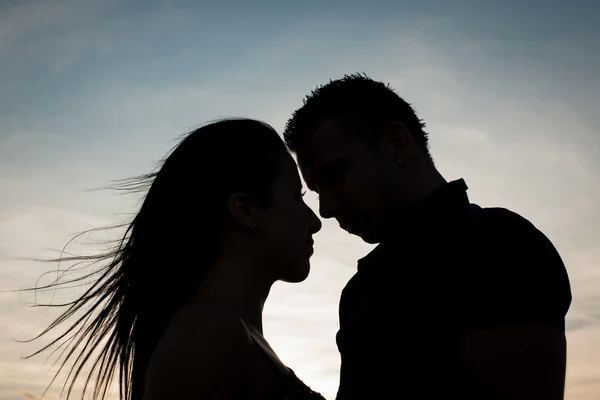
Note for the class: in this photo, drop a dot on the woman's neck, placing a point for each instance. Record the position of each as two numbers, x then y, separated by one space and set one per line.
236 285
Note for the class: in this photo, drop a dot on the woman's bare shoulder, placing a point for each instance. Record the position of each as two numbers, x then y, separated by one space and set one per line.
216 325
201 354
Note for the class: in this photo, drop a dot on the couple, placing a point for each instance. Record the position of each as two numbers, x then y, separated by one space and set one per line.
456 301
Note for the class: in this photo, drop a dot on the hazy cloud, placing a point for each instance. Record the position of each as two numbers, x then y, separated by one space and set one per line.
97 91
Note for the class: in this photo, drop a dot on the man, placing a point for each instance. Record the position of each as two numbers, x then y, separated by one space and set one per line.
456 301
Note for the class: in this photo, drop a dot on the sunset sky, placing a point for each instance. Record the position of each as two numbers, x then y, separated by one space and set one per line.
96 91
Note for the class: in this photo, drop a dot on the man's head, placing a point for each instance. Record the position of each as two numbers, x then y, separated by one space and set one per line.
363 149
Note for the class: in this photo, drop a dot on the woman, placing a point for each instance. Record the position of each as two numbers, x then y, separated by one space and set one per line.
179 301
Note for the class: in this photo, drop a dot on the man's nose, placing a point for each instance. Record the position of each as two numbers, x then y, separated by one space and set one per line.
315 224
328 205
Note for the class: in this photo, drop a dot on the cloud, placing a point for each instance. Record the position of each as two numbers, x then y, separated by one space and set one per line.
95 92
583 362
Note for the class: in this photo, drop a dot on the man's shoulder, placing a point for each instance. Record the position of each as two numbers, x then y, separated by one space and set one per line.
513 270
498 232
496 219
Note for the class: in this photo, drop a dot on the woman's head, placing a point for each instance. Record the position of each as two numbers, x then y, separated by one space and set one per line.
226 186
280 236
233 180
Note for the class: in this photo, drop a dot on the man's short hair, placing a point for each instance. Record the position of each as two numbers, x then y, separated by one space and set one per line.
363 106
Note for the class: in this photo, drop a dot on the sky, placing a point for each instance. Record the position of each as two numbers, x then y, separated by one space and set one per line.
97 91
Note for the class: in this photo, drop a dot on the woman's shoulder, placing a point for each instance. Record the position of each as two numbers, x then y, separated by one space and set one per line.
203 331
201 352
195 322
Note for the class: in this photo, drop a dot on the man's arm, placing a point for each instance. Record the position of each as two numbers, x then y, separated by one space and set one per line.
350 300
519 362
516 348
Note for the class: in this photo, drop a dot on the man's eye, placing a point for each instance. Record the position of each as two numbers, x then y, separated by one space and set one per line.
332 175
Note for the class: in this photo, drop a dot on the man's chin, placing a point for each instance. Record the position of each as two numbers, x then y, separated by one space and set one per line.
370 239
367 237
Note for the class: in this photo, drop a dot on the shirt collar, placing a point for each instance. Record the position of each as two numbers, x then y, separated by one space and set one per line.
441 203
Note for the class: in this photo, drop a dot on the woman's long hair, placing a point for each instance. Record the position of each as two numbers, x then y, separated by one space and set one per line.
155 267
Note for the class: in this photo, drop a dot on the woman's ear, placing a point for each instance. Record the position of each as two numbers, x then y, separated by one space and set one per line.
242 210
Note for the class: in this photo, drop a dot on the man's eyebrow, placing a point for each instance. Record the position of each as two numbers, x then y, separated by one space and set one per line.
329 164
323 169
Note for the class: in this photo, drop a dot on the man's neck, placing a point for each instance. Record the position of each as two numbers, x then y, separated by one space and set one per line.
425 183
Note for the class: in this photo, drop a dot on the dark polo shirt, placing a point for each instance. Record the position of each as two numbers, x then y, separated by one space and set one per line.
446 267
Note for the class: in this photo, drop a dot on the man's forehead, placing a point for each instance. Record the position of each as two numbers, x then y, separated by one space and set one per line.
313 162
305 171
325 143
327 135
313 172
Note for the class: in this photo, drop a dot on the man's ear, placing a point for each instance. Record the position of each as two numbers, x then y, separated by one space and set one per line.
242 210
396 143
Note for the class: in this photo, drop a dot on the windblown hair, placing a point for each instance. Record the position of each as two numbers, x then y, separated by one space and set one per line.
155 267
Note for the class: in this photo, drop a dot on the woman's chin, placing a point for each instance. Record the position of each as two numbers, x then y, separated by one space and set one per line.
299 274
